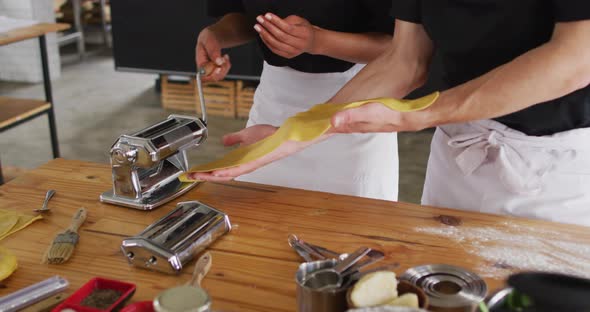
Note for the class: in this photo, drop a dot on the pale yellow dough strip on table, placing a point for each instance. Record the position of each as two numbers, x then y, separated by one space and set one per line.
12 222
304 126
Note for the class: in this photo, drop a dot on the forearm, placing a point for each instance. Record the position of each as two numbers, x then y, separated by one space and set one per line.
550 71
386 76
233 30
352 47
402 68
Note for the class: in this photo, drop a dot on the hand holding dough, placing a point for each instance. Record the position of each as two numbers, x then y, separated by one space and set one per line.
305 126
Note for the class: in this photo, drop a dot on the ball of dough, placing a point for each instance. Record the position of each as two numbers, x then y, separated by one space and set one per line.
405 300
374 289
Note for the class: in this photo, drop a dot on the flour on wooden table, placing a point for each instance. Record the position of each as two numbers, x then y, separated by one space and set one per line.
509 248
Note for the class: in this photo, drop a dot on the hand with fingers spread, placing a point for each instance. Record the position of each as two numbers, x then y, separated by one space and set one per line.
288 37
209 50
245 136
249 136
287 148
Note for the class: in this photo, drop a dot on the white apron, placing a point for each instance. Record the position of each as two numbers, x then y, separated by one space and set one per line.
486 166
363 165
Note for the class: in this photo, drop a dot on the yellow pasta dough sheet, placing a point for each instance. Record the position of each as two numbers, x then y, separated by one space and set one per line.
12 222
304 126
8 263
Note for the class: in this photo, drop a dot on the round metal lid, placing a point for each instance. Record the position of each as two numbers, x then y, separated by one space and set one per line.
183 299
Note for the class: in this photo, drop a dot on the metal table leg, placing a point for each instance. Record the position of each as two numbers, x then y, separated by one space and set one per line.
78 26
103 17
1 176
49 96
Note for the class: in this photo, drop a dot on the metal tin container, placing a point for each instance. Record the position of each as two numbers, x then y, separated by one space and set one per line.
449 288
312 300
173 241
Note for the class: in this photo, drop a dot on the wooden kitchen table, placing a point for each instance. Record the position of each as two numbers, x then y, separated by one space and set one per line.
253 266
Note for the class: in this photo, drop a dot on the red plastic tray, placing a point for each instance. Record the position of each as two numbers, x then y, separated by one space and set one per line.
73 302
142 306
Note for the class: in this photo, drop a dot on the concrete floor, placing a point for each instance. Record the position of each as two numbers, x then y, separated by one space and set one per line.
95 104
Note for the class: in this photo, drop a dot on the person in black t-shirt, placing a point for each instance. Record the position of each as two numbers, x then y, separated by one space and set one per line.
512 134
311 49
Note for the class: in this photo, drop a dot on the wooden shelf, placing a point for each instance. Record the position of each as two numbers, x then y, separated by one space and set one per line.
13 110
30 32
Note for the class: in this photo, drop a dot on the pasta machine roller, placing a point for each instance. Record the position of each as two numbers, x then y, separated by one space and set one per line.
171 242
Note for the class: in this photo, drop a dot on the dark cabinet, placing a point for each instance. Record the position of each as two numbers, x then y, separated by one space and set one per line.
156 36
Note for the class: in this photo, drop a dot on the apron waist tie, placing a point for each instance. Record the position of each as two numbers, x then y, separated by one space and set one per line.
518 174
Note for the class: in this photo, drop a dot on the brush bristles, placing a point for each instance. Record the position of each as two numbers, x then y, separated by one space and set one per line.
60 251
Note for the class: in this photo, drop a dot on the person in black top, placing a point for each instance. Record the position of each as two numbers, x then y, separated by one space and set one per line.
512 132
311 49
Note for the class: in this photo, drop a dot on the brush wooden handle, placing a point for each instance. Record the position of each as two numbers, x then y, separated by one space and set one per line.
202 267
78 219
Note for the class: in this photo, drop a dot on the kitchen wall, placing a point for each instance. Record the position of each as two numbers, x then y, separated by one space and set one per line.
22 61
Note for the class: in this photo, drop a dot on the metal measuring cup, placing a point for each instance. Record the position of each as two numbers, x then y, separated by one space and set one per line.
331 278
313 300
190 297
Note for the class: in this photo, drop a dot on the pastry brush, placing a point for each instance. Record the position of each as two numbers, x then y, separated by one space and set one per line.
63 244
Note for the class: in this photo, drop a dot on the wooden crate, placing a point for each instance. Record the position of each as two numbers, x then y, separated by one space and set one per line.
245 97
220 97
